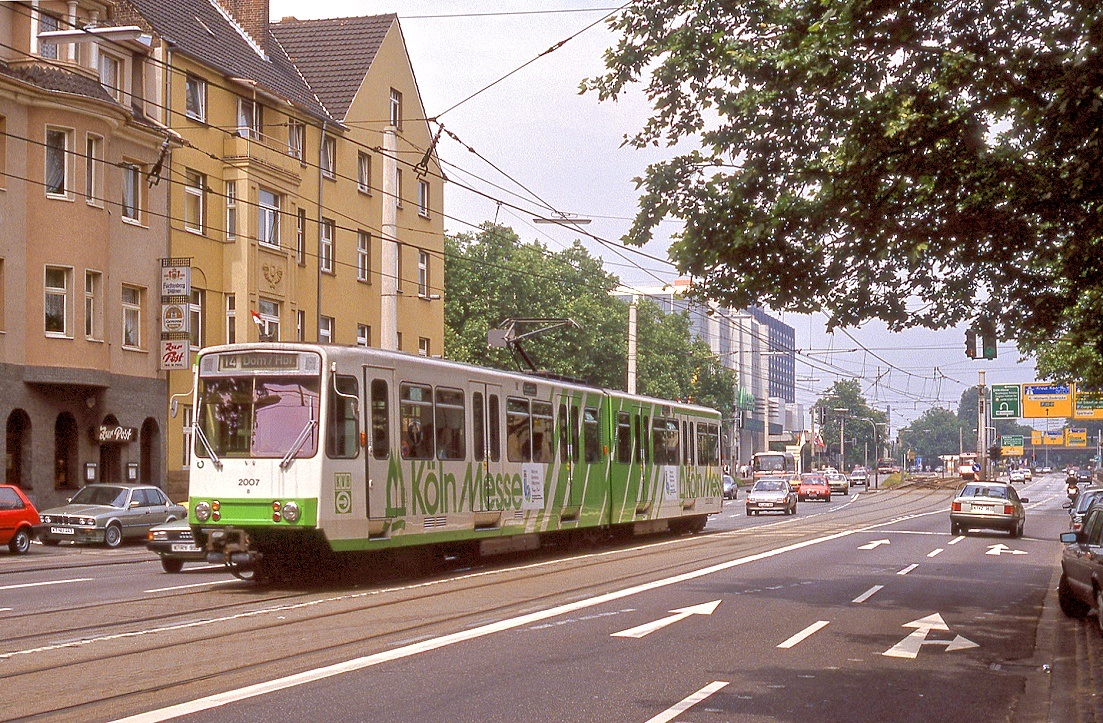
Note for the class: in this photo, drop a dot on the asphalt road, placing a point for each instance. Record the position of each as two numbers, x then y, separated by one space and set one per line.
865 608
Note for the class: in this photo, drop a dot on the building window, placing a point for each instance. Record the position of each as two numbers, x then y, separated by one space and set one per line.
109 74
231 319
396 109
195 319
398 267
300 325
93 169
269 320
248 119
132 193
268 218
57 162
296 139
189 419
93 290
300 237
363 256
423 198
325 330
363 335
398 188
195 98
363 173
325 253
47 24
132 317
195 192
329 157
57 301
231 210
423 346
3 148
422 274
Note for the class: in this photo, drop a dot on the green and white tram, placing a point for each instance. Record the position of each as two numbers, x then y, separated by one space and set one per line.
302 451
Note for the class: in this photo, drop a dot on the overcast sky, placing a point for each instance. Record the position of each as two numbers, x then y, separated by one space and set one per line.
565 148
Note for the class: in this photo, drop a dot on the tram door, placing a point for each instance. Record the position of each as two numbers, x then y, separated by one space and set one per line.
386 497
486 439
567 424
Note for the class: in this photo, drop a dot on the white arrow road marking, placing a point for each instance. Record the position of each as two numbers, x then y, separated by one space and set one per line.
868 594
1001 548
813 628
874 545
680 614
685 704
909 646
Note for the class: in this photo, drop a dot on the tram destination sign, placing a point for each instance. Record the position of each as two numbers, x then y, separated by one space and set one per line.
1006 401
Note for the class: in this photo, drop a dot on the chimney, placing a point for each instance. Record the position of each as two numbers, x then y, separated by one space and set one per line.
252 16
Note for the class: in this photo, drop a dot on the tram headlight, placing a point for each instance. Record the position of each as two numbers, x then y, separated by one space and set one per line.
291 512
203 511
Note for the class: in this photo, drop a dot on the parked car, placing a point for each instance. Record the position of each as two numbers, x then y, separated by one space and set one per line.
771 494
859 476
1079 509
17 519
814 486
838 482
1079 590
988 505
1017 475
174 543
730 487
107 514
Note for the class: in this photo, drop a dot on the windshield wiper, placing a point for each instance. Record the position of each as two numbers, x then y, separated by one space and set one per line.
207 446
303 435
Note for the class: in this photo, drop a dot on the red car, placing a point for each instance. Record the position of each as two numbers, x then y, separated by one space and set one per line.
814 487
17 519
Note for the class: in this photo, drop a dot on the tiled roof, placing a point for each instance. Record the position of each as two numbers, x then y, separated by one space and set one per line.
197 29
334 54
58 80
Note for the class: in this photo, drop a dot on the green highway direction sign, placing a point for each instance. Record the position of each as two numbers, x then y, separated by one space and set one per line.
1011 440
1006 401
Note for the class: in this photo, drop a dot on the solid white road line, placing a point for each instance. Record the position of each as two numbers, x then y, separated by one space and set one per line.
685 704
810 630
868 594
907 569
43 584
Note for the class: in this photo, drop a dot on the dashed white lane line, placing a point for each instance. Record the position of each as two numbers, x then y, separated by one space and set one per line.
935 552
194 584
957 539
47 582
868 594
686 703
808 631
907 569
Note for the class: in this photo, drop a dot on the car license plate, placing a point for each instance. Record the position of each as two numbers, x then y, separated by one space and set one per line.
766 504
983 508
184 547
61 531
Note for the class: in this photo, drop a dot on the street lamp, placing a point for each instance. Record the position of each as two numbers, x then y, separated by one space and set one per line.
842 436
876 449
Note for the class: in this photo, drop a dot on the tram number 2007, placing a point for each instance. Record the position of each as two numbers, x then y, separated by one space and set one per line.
248 482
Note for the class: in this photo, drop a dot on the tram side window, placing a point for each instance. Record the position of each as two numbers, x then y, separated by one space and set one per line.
450 424
380 424
644 439
708 444
665 440
518 430
343 434
543 427
564 434
591 434
417 420
495 429
574 434
478 426
624 438
691 447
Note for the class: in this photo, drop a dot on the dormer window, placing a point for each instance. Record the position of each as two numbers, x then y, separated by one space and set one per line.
47 24
110 74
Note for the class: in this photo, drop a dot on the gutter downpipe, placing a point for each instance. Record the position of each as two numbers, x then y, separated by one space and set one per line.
321 185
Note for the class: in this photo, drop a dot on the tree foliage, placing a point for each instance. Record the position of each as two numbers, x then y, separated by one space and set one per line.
922 162
937 432
846 394
492 276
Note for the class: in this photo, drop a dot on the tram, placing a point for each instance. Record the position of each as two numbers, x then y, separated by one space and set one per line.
308 452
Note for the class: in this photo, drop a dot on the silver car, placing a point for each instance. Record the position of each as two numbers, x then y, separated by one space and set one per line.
108 513
987 505
838 482
771 494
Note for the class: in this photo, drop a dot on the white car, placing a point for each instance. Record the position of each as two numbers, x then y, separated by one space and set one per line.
1017 475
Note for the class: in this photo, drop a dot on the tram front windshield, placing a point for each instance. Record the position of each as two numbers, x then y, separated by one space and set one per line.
259 416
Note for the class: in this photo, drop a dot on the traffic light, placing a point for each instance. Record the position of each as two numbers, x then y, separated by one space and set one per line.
970 343
988 338
995 452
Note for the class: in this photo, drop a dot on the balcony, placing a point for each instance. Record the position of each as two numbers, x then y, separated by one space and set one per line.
261 156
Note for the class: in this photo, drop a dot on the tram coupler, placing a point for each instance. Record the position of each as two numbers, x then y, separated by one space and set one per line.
229 546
